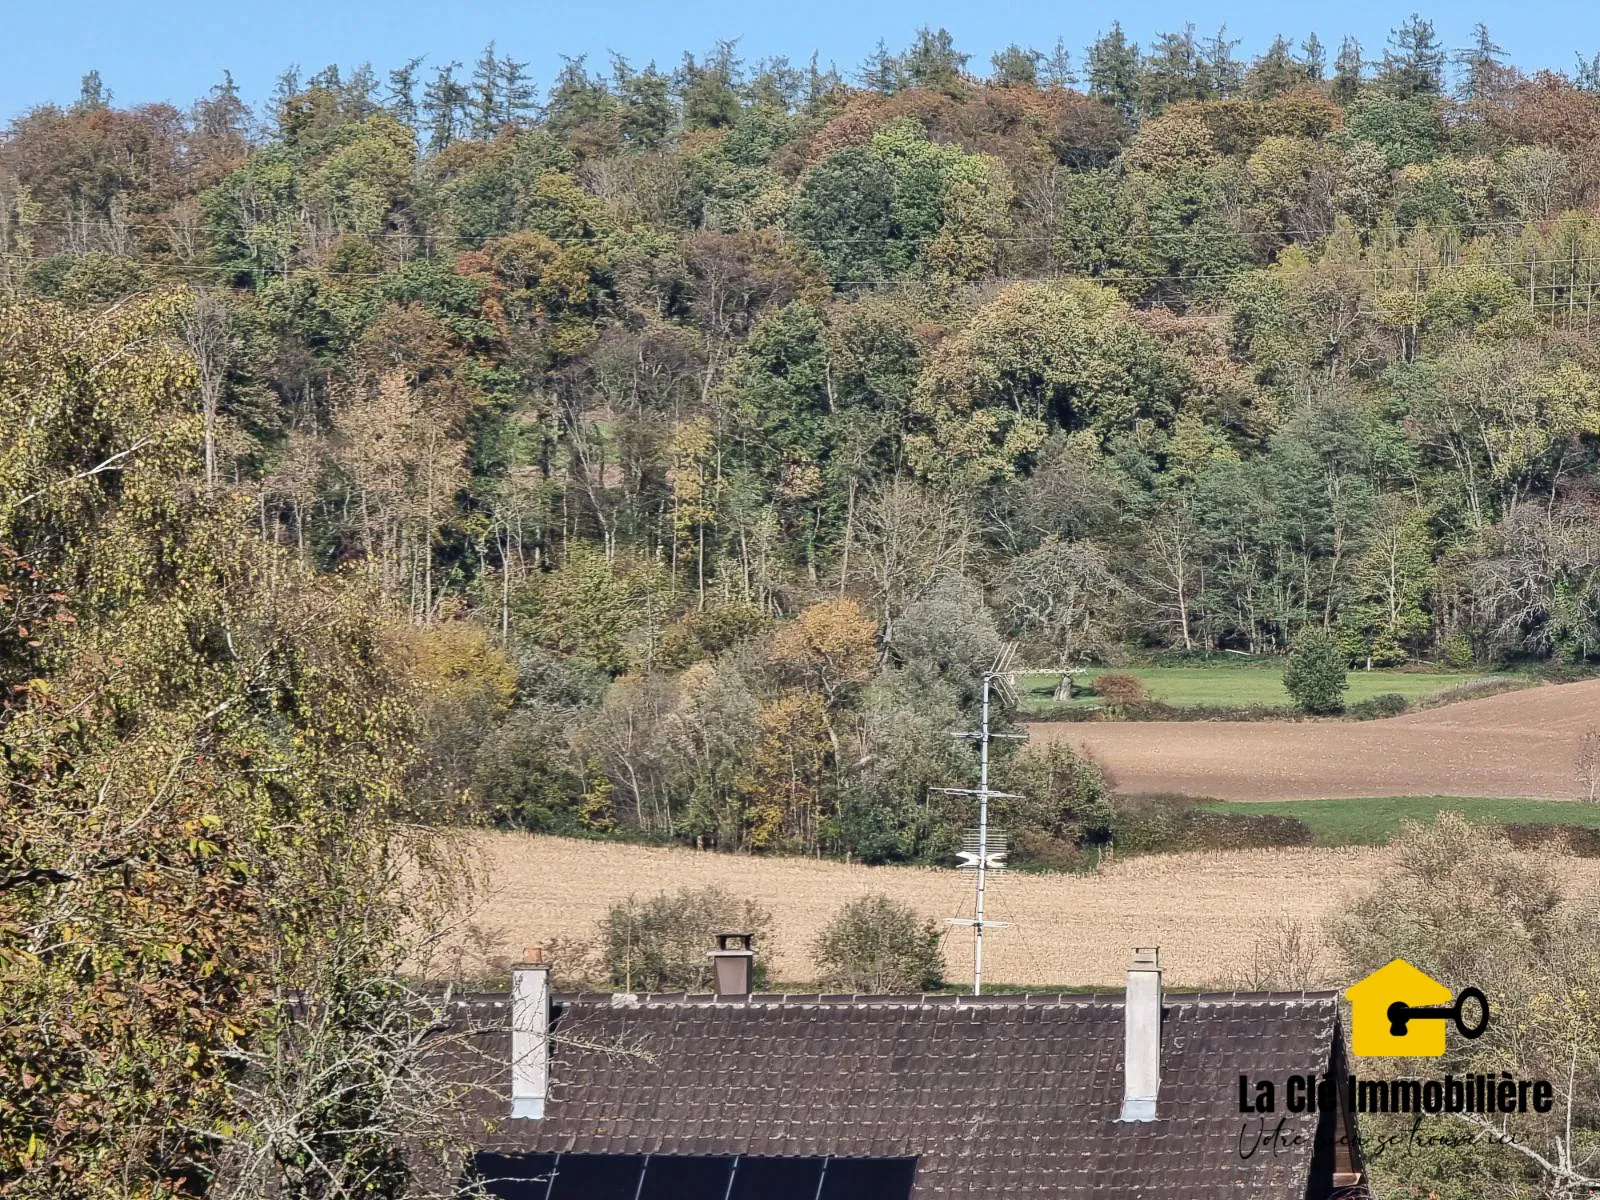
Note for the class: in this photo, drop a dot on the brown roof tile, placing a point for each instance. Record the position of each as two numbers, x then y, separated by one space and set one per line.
1012 1097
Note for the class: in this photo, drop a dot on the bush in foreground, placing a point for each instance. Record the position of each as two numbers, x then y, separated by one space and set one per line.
875 945
1385 704
1119 689
1318 672
663 944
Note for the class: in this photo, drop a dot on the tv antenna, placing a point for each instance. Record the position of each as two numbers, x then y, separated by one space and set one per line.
986 852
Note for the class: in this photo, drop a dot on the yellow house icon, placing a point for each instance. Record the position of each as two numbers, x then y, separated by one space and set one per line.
1372 1034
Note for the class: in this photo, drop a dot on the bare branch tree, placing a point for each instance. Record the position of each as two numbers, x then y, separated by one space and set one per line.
1588 764
1065 594
208 333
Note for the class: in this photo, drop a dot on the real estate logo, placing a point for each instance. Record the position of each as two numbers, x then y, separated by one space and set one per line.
1396 1012
1399 1012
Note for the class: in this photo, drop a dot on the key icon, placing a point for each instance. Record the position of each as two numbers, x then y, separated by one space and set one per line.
1400 1013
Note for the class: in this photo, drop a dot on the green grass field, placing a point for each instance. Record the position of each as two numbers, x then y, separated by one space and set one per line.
1374 821
1236 687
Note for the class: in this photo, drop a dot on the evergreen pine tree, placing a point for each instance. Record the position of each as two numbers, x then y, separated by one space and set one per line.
443 101
1056 69
1221 75
1015 67
1313 60
485 95
1111 65
1484 74
1274 72
92 94
284 89
882 72
1349 69
1413 65
517 91
933 61
402 99
1171 72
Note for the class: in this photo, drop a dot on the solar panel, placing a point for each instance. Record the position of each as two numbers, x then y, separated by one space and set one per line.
691 1177
515 1176
868 1179
596 1177
776 1179
682 1177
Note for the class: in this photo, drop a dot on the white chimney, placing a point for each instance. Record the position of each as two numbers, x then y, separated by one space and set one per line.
530 1035
1141 1045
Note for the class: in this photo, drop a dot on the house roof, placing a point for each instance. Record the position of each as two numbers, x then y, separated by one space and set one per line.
1006 1096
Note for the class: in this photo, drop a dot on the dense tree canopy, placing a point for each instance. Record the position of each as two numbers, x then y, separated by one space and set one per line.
1206 354
669 452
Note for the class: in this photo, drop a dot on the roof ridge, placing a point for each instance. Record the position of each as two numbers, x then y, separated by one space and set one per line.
898 1000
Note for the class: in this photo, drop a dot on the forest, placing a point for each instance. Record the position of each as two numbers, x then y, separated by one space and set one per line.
711 428
665 453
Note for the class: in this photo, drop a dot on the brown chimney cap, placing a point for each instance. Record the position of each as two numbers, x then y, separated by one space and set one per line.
739 941
532 956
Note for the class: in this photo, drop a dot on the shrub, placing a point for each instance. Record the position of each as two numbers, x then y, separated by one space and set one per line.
1387 704
875 945
1060 793
1176 826
1581 841
1457 649
1032 850
663 944
1318 672
1119 689
1285 956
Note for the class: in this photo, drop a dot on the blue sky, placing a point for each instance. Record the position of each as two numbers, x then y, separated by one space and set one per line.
175 50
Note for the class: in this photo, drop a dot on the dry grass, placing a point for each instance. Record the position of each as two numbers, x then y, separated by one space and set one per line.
1205 910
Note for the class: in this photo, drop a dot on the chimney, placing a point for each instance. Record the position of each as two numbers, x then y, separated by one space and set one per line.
530 1034
733 962
1141 1047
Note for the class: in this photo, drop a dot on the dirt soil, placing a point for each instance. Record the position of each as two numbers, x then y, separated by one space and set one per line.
1204 910
1518 744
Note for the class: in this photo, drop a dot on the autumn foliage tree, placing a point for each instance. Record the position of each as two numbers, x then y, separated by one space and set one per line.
200 756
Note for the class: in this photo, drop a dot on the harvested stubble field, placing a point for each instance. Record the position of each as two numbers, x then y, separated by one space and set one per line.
1204 910
1518 744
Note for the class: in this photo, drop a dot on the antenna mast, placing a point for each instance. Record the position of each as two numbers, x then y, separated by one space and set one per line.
990 849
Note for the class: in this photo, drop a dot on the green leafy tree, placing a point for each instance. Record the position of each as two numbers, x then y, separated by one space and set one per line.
1386 612
201 749
844 210
1317 672
591 609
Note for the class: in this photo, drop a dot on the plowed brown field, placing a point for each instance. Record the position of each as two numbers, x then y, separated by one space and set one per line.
1518 744
1204 910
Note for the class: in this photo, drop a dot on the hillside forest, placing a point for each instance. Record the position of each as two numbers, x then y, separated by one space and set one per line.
665 453
710 428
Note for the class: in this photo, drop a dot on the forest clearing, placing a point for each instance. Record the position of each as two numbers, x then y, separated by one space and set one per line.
1205 910
1520 744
